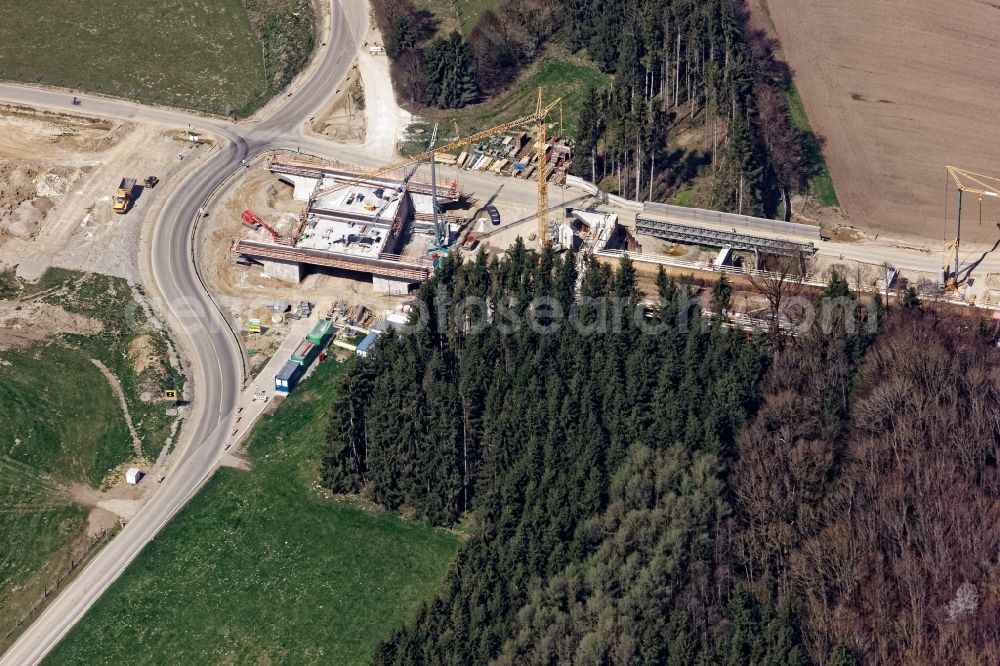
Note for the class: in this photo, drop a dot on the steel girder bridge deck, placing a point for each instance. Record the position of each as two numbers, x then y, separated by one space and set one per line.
690 235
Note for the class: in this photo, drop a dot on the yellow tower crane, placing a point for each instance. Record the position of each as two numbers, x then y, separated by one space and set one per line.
538 118
973 183
541 161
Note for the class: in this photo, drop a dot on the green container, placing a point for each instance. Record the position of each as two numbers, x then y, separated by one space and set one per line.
320 332
305 353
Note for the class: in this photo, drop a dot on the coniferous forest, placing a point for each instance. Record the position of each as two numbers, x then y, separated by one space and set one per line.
677 66
649 485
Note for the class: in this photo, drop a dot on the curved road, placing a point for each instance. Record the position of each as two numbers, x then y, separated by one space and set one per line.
213 350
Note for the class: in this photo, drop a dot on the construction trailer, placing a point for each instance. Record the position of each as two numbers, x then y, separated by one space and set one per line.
305 353
364 347
321 332
288 377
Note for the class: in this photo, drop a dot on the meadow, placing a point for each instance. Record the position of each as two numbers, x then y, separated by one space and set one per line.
262 566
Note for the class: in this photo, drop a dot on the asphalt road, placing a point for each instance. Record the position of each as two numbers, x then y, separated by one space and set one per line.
214 351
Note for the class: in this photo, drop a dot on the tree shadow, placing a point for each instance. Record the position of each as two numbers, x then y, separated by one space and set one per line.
966 271
686 165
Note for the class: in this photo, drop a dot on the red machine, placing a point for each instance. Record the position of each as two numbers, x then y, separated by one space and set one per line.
254 222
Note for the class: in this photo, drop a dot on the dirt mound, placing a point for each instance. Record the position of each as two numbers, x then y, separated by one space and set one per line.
28 191
143 354
24 323
29 132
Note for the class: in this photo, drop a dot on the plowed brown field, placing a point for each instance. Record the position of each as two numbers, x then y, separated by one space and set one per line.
899 89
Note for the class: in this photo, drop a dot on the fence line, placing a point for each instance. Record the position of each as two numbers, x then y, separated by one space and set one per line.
74 562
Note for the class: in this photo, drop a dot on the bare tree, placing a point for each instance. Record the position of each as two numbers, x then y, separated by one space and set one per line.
782 143
777 286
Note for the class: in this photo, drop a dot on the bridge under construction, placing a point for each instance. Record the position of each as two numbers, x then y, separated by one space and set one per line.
349 222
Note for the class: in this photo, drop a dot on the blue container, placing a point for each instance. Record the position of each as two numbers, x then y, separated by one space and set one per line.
288 377
364 347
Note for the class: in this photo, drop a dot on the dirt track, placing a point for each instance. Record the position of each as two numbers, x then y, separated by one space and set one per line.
899 89
57 175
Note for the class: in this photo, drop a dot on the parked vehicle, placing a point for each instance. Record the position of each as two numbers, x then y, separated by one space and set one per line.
123 196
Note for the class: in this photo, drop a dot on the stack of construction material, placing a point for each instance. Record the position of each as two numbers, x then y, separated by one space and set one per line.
359 315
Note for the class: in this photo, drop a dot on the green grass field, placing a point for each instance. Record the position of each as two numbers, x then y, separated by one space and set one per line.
683 197
820 182
558 73
470 10
263 568
111 300
184 53
461 15
61 424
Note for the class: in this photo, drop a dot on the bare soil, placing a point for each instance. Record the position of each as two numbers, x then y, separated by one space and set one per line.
383 115
899 89
42 157
342 120
117 498
143 354
22 323
57 175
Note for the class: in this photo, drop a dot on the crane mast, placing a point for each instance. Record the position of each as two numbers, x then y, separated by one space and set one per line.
543 182
536 118
973 183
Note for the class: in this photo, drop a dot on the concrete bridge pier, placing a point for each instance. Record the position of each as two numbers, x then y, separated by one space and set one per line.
286 271
391 286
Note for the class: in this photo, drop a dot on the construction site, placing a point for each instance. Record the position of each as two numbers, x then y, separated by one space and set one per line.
388 223
292 225
379 232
